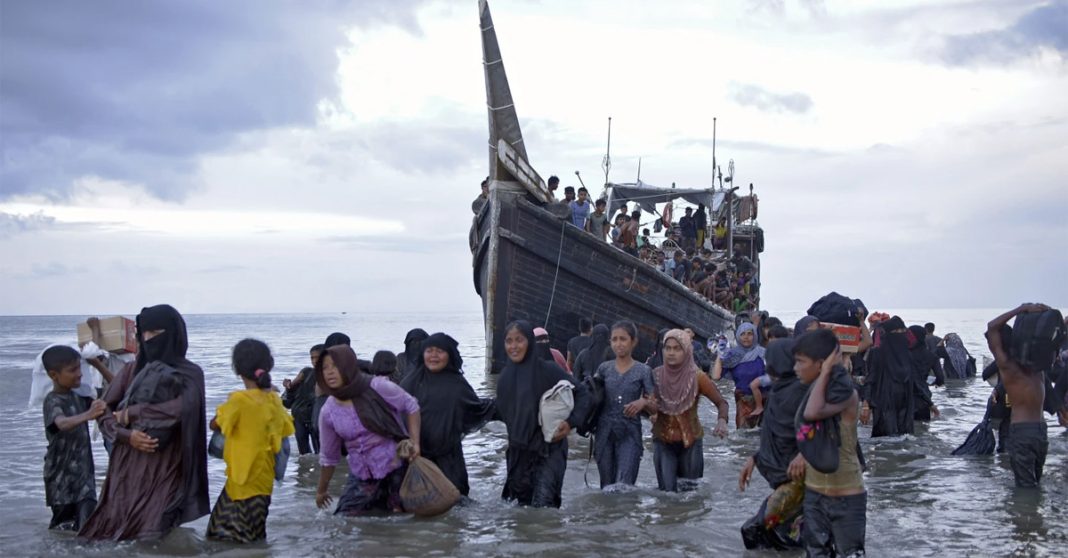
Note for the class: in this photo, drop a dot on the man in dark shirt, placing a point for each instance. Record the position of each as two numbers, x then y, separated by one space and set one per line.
682 267
688 230
700 222
932 340
579 342
597 222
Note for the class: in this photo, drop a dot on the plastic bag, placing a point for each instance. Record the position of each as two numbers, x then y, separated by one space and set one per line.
556 405
425 490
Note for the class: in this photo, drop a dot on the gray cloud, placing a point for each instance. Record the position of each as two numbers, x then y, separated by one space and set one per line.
138 92
815 8
749 95
397 244
225 268
759 146
424 148
1045 26
13 223
54 269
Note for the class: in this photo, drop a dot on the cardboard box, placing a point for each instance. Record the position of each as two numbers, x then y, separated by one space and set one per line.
117 334
848 336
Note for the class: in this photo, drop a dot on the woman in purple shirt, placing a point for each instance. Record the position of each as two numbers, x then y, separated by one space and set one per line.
363 412
744 363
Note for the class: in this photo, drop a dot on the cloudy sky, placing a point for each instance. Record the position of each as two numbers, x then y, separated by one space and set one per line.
277 156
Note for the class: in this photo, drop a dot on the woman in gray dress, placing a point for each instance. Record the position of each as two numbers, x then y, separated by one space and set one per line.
628 388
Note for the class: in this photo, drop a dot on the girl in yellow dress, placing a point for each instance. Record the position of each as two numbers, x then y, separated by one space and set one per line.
254 423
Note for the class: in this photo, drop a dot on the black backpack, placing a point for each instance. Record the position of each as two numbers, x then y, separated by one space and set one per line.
1036 337
594 384
837 309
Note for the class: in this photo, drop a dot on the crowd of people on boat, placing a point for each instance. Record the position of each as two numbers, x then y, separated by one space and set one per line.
796 385
729 278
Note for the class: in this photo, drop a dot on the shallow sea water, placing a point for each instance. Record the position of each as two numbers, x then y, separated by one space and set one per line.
921 502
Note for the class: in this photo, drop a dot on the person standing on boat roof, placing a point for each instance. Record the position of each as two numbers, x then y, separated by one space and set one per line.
580 209
688 230
553 184
628 234
597 222
700 222
569 195
482 198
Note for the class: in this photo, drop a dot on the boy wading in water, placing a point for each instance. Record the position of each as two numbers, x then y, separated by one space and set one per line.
1025 388
835 507
70 486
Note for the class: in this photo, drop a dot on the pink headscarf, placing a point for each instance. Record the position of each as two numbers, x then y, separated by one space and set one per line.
676 386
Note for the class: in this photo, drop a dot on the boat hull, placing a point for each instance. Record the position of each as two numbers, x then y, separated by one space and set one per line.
529 264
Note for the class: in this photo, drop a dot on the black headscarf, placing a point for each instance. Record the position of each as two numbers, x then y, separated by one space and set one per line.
657 359
924 361
446 343
413 346
892 359
520 388
374 412
191 500
801 327
335 339
778 444
384 363
168 347
595 354
779 356
448 406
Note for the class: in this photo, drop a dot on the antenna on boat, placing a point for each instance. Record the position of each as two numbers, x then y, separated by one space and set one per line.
714 155
580 179
606 164
639 178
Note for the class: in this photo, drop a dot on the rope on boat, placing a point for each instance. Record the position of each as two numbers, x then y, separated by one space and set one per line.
559 255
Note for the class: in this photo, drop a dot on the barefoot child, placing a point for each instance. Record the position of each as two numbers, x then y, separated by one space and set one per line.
254 423
70 486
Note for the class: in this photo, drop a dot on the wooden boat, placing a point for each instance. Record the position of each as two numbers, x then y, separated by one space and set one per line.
531 264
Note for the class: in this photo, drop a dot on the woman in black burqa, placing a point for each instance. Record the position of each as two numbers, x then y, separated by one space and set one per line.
891 381
599 351
535 467
777 458
448 405
924 364
160 480
413 352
